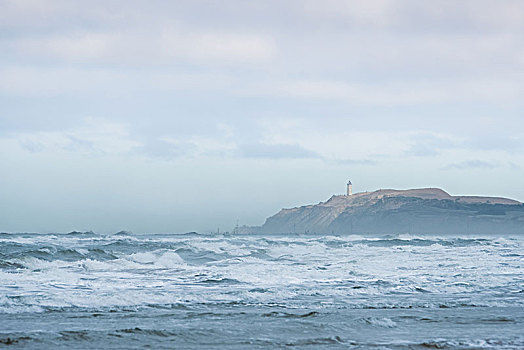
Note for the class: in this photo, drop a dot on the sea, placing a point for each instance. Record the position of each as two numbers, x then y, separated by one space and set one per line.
196 291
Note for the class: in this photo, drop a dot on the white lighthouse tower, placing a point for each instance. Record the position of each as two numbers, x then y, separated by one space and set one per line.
349 190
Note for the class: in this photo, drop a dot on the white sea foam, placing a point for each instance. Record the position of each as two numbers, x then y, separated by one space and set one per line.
380 322
349 271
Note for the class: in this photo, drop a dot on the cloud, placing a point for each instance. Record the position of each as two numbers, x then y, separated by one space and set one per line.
375 13
275 151
426 144
343 142
430 145
22 80
99 137
380 73
31 145
165 46
396 92
511 144
31 81
472 164
424 16
94 137
158 148
356 161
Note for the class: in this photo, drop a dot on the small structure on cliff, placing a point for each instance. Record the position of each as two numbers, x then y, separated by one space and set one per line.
349 190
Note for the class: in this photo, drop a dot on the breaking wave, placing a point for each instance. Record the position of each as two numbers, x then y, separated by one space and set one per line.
334 287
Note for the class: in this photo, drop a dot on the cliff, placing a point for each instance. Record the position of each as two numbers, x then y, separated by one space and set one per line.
416 211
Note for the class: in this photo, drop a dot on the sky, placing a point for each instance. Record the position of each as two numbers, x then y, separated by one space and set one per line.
177 116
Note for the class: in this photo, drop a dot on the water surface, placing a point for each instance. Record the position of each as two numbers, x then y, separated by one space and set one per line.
260 292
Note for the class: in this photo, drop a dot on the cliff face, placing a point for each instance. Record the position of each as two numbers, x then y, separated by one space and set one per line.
417 211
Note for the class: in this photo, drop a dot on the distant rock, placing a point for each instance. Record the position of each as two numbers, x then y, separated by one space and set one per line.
415 211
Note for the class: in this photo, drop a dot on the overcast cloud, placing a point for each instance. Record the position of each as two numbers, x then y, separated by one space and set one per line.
170 116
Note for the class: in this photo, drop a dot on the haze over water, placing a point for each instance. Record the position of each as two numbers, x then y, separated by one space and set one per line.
260 292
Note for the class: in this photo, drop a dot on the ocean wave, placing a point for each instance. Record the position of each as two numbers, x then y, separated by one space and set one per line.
380 322
91 270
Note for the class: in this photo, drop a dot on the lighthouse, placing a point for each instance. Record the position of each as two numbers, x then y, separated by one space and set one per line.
349 190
